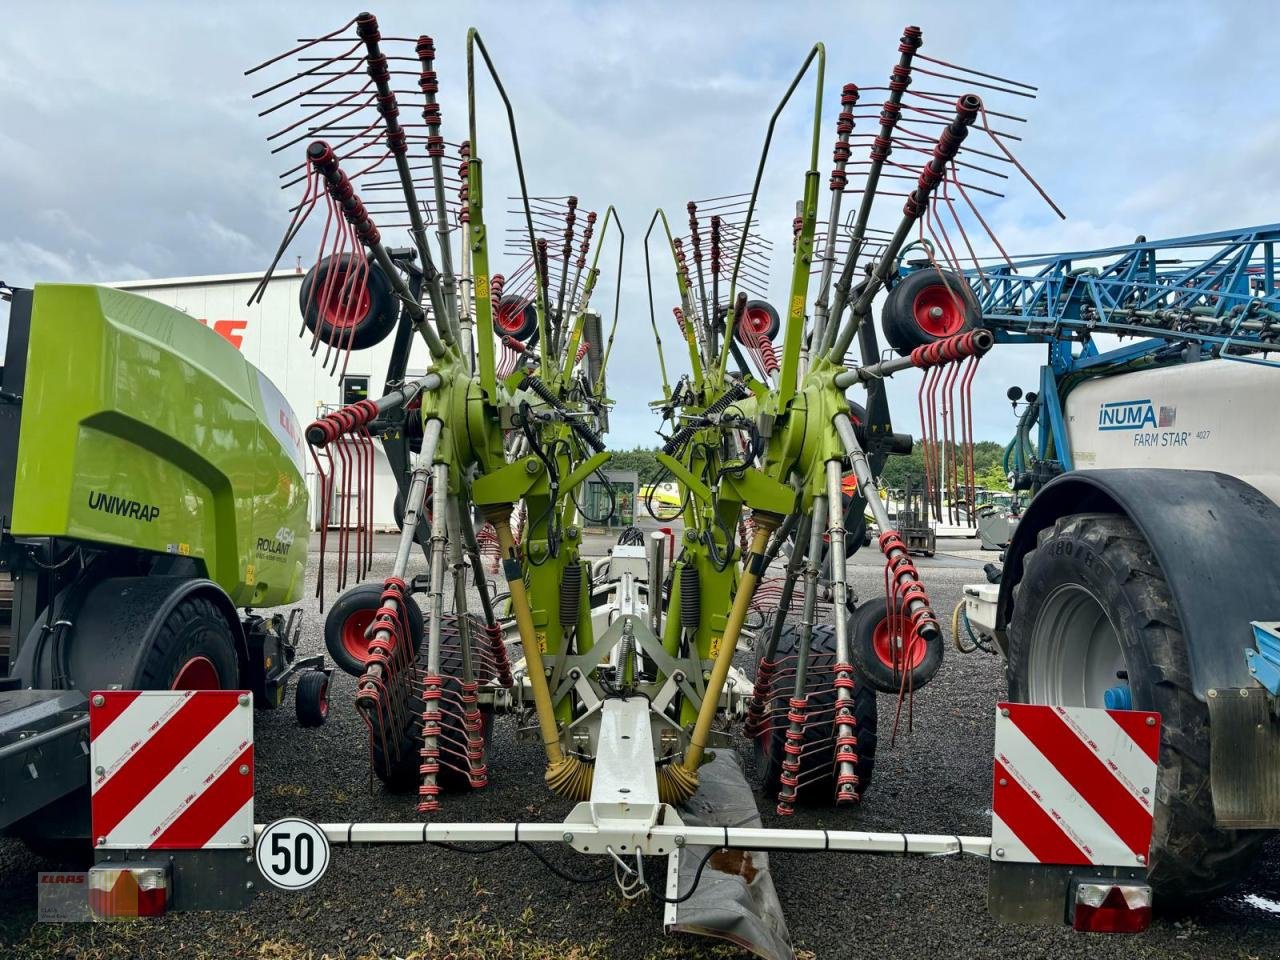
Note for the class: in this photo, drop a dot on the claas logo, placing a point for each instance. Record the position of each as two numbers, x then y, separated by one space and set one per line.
228 330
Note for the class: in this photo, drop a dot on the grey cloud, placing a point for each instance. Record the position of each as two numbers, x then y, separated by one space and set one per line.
136 150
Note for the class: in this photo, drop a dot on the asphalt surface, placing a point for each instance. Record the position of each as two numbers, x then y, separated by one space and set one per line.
424 902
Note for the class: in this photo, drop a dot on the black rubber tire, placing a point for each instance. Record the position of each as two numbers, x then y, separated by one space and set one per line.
193 628
372 328
1105 553
820 789
362 600
765 311
401 774
511 308
897 317
880 675
423 534
311 699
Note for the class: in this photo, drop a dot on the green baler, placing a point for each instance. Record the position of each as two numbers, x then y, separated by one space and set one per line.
152 488
144 429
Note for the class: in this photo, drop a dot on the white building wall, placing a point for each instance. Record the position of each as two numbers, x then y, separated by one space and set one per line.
267 334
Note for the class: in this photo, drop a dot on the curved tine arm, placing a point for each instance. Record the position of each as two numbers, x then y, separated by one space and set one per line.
818 52
617 305
474 42
653 320
695 359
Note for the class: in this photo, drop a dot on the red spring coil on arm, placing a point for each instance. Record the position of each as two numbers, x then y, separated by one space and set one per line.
975 343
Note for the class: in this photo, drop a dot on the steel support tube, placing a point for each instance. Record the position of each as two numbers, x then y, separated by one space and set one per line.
794 565
432 680
367 28
413 501
871 494
875 371
657 546
467 529
846 779
795 715
889 116
454 514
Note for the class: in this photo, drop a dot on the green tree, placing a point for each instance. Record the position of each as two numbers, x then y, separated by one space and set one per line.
642 460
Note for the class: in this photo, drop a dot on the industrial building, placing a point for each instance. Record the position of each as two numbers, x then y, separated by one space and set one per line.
267 333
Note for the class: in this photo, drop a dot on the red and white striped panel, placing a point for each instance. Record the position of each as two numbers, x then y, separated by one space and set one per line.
1074 785
172 770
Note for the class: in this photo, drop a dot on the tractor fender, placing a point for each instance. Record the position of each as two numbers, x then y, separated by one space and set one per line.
115 625
1214 536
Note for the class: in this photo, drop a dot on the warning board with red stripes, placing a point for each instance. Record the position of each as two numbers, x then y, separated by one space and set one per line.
172 770
1074 785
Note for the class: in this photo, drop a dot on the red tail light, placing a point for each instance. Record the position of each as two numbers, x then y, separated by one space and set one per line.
1112 908
123 891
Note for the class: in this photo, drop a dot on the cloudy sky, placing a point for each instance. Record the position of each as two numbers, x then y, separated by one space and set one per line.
130 148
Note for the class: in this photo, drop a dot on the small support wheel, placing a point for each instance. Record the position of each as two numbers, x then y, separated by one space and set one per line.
759 320
347 304
926 305
516 316
348 620
883 659
311 699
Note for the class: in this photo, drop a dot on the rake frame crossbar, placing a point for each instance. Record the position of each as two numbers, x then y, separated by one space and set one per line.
655 840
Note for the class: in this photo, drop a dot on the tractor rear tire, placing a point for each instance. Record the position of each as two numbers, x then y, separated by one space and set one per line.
872 653
350 616
194 649
1097 574
328 314
817 770
400 773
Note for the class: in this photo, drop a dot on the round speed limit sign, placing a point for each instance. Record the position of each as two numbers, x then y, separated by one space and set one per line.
292 853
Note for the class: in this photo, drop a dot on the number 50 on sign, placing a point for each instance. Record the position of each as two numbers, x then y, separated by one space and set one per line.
292 853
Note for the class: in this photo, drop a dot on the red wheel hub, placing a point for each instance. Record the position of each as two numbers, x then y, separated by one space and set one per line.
324 699
198 673
353 638
755 322
343 306
511 317
939 310
890 650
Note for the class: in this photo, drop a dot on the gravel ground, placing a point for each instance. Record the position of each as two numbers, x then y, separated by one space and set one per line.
423 902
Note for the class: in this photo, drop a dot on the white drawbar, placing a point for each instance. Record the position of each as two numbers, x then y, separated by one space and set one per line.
588 838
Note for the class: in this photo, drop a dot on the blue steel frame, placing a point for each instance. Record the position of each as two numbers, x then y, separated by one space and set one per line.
1215 290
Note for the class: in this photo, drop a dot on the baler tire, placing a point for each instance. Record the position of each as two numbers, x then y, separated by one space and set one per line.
195 630
311 699
1106 554
816 788
872 656
370 328
400 774
351 614
899 317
